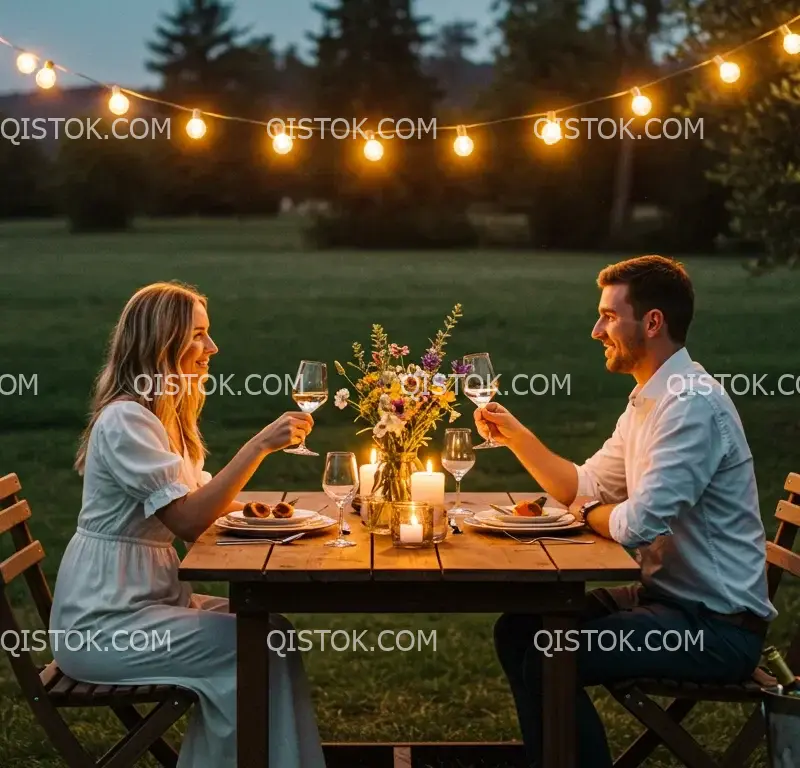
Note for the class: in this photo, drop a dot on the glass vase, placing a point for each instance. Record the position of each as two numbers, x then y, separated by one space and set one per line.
392 483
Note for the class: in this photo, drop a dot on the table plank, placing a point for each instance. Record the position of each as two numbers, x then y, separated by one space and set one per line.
602 561
205 561
308 559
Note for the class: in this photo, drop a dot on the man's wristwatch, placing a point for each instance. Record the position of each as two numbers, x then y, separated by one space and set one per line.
586 508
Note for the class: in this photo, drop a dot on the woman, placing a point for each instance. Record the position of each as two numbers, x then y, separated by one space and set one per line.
141 458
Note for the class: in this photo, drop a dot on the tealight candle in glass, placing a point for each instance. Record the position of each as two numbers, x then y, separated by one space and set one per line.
376 514
412 524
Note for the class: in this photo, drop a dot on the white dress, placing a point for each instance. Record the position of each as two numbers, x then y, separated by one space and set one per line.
119 574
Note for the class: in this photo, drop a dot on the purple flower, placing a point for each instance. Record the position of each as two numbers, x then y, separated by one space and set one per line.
430 360
398 406
461 368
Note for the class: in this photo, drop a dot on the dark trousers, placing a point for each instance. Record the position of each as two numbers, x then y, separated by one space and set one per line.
725 654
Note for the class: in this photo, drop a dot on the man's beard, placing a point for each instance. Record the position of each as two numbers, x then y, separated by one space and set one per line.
624 360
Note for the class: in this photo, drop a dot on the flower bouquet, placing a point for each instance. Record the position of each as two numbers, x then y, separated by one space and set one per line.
402 403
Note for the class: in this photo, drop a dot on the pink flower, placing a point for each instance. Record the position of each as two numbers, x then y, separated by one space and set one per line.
397 351
376 358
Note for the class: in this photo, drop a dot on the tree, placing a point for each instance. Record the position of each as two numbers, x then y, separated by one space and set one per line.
24 170
751 127
205 61
450 64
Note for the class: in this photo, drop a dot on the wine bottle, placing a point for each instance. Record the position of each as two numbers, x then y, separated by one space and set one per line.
780 669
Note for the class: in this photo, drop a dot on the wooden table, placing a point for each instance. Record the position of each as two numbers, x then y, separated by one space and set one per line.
458 576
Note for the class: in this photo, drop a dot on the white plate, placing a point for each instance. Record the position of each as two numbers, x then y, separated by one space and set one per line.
532 531
552 516
252 530
300 517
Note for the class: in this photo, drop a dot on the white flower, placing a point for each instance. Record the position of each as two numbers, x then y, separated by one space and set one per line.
387 377
439 381
394 424
379 430
453 416
342 396
385 403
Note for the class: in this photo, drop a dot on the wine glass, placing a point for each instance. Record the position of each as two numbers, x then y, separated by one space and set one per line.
480 386
458 458
309 391
340 483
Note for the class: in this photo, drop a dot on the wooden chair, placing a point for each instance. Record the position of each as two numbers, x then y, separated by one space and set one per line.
48 690
664 724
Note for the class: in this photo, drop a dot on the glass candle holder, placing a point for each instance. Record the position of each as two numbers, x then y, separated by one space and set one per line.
440 524
376 513
411 524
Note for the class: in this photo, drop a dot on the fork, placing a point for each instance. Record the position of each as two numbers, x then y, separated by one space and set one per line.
231 542
547 538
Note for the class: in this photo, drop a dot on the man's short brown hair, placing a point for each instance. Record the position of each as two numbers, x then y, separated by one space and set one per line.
655 282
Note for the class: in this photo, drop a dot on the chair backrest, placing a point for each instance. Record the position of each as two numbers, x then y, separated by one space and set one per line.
780 555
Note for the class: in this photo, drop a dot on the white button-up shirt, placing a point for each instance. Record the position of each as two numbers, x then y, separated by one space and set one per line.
680 471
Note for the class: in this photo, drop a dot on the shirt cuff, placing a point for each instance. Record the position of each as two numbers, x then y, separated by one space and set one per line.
618 525
586 485
163 497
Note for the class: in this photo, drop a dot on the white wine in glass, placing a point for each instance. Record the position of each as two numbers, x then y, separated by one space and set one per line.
340 483
458 458
480 386
309 391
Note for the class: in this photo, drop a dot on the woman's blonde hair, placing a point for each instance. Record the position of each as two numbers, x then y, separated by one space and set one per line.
143 365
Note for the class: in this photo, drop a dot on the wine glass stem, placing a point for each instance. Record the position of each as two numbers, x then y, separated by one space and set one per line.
340 504
490 439
458 493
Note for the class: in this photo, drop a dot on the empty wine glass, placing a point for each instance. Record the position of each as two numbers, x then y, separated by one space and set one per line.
309 391
458 458
340 483
480 386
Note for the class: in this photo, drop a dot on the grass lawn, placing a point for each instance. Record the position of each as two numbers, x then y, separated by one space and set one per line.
272 303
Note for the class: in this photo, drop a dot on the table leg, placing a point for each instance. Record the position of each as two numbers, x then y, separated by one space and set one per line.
559 688
252 690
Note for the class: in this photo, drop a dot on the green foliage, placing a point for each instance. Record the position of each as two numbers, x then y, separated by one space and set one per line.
102 184
23 170
751 127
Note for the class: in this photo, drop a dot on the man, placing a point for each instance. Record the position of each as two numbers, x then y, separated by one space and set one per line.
676 483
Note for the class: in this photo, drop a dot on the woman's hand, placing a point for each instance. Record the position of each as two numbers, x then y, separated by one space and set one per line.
288 429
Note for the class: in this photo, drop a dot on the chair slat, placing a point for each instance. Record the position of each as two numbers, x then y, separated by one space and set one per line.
792 483
14 515
9 486
20 561
789 513
50 675
783 558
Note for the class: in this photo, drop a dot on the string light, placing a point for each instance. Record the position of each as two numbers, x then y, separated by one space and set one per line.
791 41
118 103
640 105
463 145
196 127
282 143
373 149
551 133
729 71
27 63
46 76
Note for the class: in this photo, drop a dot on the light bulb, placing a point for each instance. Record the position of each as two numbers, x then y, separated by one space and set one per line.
551 133
26 63
791 41
640 105
463 145
282 143
729 71
46 76
373 149
196 127
118 103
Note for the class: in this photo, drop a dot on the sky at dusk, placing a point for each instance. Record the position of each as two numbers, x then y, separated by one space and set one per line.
106 38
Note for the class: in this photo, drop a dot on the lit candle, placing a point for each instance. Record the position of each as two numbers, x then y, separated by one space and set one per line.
411 532
428 487
366 474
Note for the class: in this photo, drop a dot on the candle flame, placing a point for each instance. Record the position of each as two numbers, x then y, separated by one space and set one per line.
413 520
430 466
373 456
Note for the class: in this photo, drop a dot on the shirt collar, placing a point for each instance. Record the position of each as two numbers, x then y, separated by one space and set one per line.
656 386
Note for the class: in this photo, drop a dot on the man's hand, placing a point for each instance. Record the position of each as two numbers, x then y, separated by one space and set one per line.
496 421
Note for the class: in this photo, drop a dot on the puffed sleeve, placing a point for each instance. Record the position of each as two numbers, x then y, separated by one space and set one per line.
133 445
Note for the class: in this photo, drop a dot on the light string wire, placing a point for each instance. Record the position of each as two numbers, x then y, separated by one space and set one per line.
391 134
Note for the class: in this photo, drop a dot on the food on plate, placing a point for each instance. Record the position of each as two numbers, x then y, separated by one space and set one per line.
282 509
256 509
528 508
